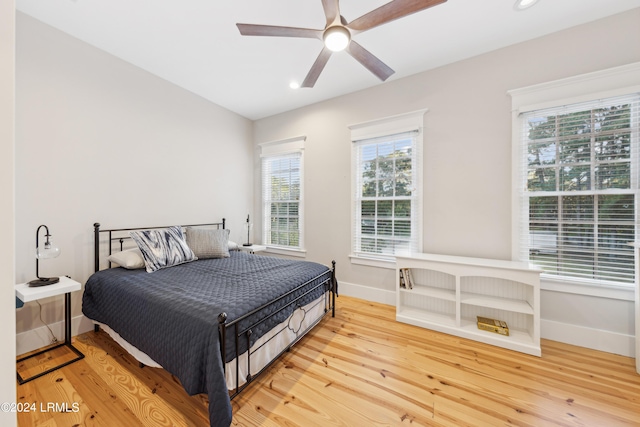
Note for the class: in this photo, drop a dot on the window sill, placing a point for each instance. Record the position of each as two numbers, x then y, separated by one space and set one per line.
299 253
373 262
619 292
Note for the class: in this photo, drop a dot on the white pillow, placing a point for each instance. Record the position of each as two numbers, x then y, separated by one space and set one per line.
130 259
233 246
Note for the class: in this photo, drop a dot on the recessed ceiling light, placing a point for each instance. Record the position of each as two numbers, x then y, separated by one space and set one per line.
524 4
294 85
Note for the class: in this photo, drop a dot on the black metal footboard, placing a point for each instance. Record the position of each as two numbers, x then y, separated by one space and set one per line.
328 288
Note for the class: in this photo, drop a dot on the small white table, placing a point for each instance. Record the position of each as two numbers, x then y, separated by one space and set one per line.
27 294
252 249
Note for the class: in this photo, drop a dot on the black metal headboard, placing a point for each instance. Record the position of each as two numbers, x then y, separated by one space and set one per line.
121 234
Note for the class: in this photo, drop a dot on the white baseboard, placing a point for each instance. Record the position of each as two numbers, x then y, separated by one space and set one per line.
367 293
40 337
596 339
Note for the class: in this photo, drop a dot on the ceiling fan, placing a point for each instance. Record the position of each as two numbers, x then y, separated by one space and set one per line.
338 35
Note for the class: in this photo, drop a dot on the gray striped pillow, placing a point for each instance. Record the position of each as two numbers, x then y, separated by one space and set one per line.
208 242
162 248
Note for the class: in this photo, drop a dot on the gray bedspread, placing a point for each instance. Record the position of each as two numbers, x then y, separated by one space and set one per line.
171 314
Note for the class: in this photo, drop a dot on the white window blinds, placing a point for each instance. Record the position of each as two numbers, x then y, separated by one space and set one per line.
282 191
579 200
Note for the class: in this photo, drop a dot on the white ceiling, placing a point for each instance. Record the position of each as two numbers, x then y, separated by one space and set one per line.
196 45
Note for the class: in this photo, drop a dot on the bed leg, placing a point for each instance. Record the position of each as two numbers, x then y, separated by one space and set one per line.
96 247
222 327
249 333
334 285
96 327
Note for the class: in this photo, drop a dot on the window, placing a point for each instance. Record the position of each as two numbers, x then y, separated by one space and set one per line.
282 189
581 188
387 202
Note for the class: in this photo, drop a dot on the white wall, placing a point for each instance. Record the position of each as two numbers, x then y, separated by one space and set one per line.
7 269
467 159
99 140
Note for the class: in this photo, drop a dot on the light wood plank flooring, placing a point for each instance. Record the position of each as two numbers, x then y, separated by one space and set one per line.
361 368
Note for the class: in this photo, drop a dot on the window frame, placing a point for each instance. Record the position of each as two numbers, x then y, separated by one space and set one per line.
377 132
277 150
603 84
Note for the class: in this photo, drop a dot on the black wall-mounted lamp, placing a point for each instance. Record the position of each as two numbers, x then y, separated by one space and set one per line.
45 252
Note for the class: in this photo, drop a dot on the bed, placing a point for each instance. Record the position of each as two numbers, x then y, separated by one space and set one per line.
216 322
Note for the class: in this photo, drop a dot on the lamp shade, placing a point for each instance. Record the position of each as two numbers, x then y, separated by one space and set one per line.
47 251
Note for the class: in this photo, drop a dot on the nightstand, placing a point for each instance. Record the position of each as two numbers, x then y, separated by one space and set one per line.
252 249
27 294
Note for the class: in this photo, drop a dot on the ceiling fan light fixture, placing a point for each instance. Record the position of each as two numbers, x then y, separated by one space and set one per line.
524 4
336 38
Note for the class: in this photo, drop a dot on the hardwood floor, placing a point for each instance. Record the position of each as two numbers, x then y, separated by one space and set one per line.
361 368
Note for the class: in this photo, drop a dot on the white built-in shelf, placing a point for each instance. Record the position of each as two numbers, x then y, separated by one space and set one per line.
449 292
422 318
508 304
444 294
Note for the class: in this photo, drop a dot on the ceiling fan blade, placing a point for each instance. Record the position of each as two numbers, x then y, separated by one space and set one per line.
276 31
389 12
331 10
317 68
371 63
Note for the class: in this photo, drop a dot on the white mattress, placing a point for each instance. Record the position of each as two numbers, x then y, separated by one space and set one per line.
262 351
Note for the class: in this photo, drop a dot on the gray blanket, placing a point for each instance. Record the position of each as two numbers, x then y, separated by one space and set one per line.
171 314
